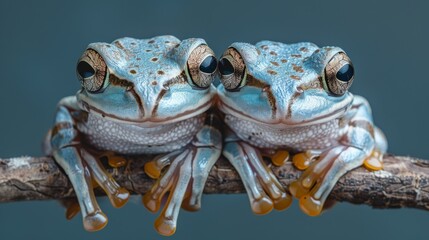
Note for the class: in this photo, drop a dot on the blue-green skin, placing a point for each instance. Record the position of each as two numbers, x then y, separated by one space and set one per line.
130 54
311 104
284 102
148 104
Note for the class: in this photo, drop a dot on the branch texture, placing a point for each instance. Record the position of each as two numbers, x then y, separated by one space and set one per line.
404 182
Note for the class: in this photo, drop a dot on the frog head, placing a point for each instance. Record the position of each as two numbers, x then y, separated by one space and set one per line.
155 80
288 84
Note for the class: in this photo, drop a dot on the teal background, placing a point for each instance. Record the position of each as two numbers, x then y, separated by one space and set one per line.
40 42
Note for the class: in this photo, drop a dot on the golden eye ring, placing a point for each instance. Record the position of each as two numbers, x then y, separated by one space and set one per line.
91 71
339 74
202 66
232 70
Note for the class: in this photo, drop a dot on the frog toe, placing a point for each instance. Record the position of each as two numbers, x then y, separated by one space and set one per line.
72 207
165 227
94 221
310 205
154 167
304 159
114 160
262 205
153 198
375 161
283 202
191 205
280 157
167 221
120 197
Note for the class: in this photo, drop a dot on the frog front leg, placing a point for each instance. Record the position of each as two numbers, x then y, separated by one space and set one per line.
265 192
185 177
361 144
80 165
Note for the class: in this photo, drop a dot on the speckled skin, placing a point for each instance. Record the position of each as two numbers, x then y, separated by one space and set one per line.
149 75
284 102
139 96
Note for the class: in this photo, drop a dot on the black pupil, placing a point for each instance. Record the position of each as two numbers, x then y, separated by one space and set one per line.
225 67
208 65
345 73
85 70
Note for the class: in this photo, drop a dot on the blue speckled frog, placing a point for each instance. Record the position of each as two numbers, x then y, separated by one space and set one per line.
294 97
139 96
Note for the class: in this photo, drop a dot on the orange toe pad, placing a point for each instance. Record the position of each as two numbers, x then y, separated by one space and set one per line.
310 206
280 157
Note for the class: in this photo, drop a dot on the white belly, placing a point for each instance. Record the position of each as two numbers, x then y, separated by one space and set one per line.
133 139
313 137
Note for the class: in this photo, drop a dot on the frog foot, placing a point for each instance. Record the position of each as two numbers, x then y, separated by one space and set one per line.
95 176
317 181
184 178
264 190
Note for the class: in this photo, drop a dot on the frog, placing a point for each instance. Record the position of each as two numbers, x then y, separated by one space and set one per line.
292 102
139 97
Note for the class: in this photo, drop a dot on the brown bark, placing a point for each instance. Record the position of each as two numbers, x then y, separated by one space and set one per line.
404 182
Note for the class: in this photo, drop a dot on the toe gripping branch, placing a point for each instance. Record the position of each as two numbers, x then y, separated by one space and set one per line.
265 192
362 144
83 169
182 173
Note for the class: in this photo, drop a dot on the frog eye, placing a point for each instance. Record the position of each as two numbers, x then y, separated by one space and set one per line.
91 70
201 66
339 74
232 69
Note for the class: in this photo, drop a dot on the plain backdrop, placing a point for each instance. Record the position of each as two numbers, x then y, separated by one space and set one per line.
40 42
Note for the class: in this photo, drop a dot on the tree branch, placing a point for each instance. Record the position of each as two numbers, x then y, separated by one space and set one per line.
404 182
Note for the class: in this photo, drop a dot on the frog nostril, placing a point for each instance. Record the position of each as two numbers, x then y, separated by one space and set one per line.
208 65
85 70
225 67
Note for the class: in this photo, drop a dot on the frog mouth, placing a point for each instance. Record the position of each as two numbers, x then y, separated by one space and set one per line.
150 121
281 122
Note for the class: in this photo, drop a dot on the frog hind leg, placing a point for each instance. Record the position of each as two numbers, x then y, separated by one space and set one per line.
360 142
264 190
184 179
